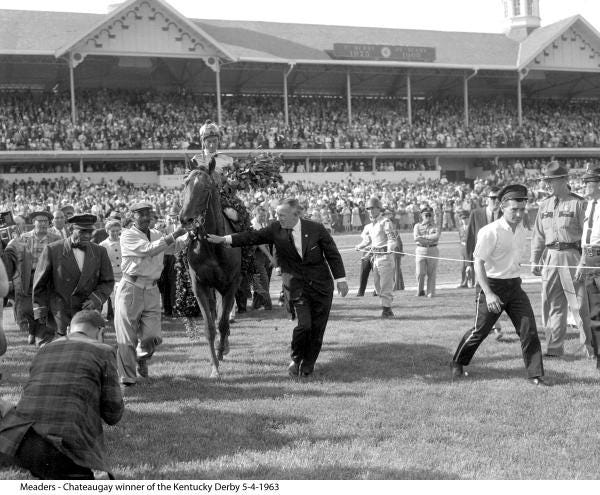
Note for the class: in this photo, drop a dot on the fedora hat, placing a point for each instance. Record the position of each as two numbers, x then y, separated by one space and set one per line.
592 173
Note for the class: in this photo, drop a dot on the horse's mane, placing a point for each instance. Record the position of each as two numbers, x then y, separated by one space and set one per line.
190 174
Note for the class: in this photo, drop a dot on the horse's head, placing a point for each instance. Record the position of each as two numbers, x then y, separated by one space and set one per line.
199 189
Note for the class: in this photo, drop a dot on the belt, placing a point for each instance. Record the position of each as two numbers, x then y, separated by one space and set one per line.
423 245
591 250
138 281
563 246
379 250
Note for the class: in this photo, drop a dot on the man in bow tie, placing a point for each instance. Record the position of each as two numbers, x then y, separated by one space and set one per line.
71 275
308 258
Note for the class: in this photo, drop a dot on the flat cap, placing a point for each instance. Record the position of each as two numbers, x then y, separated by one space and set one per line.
112 222
513 191
66 208
90 316
592 174
142 205
83 221
426 209
115 215
555 170
41 213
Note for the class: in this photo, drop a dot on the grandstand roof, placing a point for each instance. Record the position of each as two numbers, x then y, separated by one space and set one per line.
255 51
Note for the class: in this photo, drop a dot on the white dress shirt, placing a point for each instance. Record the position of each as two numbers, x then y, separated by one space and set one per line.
500 249
595 224
79 257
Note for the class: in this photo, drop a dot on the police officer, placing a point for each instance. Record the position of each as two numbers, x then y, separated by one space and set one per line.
497 256
427 235
590 256
379 236
558 229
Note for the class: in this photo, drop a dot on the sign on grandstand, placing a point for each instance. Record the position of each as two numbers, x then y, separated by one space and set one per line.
359 51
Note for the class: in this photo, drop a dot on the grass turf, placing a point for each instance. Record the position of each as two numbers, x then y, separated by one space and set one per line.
381 404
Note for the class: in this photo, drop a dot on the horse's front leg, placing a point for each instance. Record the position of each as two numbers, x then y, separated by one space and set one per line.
226 305
203 296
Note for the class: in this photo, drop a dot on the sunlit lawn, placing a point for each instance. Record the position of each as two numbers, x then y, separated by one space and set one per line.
380 406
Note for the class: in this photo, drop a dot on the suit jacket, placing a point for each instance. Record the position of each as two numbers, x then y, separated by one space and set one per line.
62 288
320 256
477 219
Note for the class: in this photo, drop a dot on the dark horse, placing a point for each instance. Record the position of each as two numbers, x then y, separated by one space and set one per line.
211 266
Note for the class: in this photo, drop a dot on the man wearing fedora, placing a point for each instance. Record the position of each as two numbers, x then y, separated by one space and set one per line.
379 239
72 274
25 252
557 233
589 266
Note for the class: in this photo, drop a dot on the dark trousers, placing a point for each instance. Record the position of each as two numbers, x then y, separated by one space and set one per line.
518 308
312 310
45 462
366 265
166 284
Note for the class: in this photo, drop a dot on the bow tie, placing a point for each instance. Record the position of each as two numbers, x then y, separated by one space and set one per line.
78 246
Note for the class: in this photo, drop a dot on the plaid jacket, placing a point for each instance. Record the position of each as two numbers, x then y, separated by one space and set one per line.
73 386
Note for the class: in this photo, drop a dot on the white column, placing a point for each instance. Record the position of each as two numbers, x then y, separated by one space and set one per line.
408 100
72 85
349 97
519 101
218 80
285 98
466 99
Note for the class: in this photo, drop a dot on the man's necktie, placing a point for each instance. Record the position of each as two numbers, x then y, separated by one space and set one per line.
588 235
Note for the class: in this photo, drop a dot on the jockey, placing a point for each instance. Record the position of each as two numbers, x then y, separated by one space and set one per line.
214 161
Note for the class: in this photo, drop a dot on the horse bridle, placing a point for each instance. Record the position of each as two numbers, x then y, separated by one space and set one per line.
198 222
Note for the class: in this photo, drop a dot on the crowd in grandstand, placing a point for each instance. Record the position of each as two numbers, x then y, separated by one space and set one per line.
339 205
124 120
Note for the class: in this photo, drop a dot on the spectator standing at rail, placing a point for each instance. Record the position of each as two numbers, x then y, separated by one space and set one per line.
426 235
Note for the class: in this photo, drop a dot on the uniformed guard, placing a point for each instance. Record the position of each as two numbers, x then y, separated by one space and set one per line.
426 235
590 256
379 237
555 246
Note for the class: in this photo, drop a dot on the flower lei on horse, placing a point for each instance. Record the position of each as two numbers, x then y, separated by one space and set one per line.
257 171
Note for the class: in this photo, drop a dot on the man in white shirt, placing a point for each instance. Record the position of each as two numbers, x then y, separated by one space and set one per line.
137 299
590 256
496 255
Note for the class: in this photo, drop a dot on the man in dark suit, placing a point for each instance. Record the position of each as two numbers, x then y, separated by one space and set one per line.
306 253
71 275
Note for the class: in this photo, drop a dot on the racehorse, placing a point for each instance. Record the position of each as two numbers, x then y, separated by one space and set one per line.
211 266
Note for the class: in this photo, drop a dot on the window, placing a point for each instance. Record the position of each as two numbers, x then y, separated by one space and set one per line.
516 7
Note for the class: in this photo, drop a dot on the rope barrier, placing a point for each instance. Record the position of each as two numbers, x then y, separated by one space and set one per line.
463 261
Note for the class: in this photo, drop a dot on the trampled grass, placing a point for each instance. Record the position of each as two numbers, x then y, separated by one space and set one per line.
380 406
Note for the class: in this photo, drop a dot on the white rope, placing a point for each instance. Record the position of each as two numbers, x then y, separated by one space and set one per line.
462 261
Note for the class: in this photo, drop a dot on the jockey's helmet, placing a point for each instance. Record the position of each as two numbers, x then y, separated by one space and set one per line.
209 129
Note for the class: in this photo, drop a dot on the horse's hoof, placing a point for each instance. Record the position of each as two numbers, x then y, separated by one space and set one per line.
214 374
225 347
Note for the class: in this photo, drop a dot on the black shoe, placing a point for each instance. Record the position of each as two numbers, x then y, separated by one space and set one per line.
538 381
142 368
360 294
294 369
457 371
421 293
387 312
374 293
306 369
